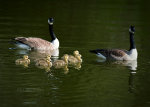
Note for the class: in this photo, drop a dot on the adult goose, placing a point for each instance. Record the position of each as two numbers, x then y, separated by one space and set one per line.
119 54
38 43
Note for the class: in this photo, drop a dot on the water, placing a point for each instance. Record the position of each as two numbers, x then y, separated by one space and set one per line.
80 25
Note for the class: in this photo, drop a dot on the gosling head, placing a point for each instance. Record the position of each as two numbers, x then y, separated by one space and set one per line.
66 56
48 57
25 57
49 62
79 58
76 52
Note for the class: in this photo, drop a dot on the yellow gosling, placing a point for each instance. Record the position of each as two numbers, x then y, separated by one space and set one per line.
61 63
44 63
76 58
23 61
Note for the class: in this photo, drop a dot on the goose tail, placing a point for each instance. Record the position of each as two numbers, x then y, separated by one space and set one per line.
94 51
12 41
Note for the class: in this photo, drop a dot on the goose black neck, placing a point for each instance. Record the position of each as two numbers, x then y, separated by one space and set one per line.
52 32
132 43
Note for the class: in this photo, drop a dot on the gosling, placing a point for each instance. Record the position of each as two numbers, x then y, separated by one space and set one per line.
44 63
76 58
61 63
24 60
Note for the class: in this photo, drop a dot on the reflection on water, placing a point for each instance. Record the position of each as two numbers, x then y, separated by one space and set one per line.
131 64
131 82
39 53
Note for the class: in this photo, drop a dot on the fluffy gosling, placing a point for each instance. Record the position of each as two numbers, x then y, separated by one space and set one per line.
61 63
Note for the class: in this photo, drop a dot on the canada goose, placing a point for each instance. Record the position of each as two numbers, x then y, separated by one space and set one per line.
61 63
23 61
119 54
44 63
38 43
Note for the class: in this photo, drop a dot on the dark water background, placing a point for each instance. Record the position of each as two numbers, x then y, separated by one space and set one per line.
80 25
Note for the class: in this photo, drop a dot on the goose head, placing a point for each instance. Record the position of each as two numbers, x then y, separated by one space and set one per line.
132 29
50 21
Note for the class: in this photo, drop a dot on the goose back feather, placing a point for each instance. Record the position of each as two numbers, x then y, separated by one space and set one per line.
35 43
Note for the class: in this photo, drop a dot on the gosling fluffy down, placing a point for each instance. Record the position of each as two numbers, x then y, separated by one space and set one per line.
25 59
61 63
44 62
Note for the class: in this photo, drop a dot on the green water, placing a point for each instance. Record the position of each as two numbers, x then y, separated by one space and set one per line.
79 25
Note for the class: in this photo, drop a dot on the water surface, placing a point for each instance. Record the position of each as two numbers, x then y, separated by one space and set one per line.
80 25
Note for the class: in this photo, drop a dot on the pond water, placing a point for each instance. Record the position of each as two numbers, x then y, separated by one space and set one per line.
79 25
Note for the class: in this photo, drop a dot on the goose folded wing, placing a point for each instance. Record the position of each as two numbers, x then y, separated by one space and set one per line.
112 52
34 42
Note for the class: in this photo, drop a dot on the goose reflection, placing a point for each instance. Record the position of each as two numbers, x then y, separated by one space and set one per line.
131 82
132 65
40 53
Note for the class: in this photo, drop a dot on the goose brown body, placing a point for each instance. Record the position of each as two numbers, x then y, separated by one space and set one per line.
36 43
116 54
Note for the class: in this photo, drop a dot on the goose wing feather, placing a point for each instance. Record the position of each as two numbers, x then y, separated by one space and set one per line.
35 43
111 52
